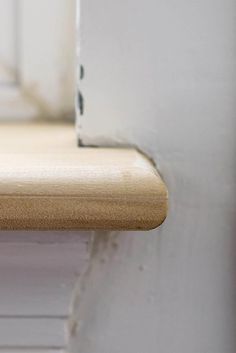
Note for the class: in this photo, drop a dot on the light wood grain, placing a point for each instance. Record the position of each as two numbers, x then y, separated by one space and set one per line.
46 182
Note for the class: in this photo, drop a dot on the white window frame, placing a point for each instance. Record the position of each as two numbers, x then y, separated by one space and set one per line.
46 74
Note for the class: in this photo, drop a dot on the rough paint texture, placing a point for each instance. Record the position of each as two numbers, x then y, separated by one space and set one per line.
161 75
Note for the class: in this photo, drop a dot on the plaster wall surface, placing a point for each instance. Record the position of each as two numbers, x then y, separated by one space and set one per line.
160 75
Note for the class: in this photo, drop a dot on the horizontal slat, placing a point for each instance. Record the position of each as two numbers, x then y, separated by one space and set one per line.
38 279
46 182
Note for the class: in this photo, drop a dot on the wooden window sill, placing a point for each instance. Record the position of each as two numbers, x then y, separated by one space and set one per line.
47 182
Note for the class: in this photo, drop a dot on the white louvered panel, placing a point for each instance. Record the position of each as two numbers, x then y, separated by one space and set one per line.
38 273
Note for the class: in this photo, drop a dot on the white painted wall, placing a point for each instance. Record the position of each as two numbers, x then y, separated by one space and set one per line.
161 75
